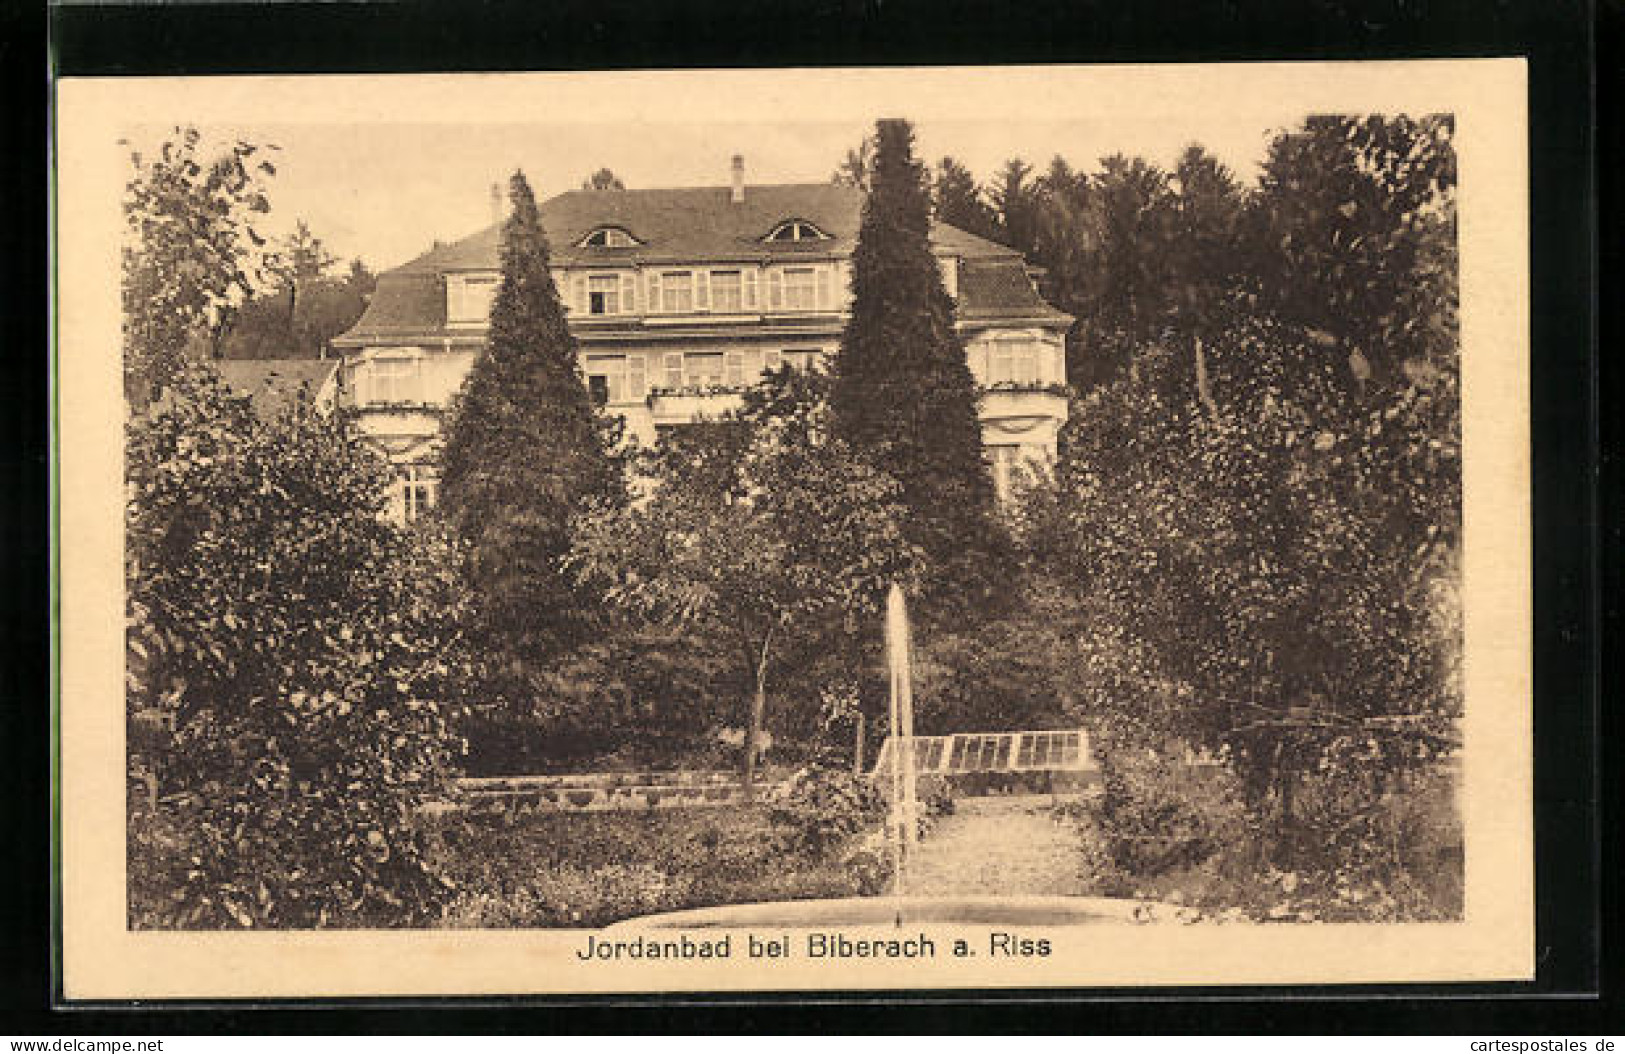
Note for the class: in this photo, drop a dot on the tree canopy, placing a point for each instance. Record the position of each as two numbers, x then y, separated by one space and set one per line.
524 450
603 179
1261 539
856 167
306 306
763 540
191 253
904 398
959 202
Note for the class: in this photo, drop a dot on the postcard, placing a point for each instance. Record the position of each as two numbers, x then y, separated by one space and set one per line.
794 530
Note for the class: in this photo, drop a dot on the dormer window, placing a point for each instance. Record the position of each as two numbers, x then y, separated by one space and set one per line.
796 231
609 238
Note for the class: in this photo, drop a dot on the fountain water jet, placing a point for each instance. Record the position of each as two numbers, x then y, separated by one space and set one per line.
903 825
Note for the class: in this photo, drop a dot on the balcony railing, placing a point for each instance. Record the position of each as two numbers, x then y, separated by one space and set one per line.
675 406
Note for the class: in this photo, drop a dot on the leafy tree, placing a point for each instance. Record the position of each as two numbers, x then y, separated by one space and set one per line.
1130 307
755 551
857 166
1010 672
1207 207
189 256
301 259
301 262
1256 527
525 449
904 399
291 669
958 201
603 179
1066 243
305 308
1353 237
1277 576
1016 200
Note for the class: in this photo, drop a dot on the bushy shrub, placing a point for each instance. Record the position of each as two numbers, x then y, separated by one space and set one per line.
570 895
1158 813
871 871
936 796
822 808
291 665
1179 834
590 869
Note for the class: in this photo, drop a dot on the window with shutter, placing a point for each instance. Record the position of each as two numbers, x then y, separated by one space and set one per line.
750 290
775 290
637 381
800 289
735 374
654 292
674 369
677 292
823 287
607 377
579 303
703 368
603 294
725 295
629 294
702 291
471 298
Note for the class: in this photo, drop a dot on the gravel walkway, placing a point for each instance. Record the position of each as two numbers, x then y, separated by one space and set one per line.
1000 845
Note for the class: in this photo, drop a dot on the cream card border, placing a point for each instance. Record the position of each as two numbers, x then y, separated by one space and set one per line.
1495 942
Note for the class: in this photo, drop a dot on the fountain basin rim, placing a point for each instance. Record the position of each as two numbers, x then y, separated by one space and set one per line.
1035 910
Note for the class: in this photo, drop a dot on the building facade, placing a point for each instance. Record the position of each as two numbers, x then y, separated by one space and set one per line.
679 300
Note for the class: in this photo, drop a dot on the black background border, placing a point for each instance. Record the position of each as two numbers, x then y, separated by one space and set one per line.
1577 843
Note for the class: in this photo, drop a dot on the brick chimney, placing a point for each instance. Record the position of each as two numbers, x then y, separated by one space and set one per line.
496 204
738 178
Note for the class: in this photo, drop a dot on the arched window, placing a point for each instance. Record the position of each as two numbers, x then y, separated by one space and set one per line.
609 238
796 231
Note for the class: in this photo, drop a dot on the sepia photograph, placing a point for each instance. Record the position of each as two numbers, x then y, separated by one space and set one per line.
876 535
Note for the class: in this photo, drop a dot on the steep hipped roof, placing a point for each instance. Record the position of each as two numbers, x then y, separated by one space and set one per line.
273 384
994 289
690 224
402 303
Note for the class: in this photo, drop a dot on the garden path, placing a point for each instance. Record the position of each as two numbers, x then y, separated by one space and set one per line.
1004 845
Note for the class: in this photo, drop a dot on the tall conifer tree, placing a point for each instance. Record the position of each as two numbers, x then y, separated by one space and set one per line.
904 397
524 450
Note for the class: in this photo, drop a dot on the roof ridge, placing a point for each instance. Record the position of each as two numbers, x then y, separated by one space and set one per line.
674 219
823 184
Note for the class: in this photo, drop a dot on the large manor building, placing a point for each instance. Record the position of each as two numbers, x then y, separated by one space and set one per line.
679 300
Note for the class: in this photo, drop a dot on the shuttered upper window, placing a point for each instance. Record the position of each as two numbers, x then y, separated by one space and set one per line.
800 289
603 294
727 291
676 291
